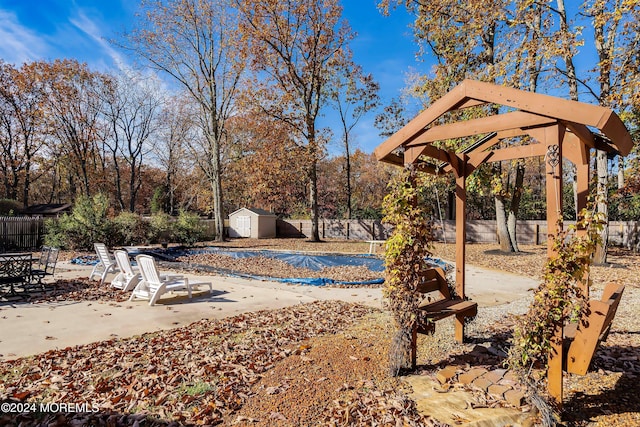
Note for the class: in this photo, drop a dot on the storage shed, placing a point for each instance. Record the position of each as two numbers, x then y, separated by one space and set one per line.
252 222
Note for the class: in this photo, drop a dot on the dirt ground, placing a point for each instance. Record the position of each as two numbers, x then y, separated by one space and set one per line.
314 364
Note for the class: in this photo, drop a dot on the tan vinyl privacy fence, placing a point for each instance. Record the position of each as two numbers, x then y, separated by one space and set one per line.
625 233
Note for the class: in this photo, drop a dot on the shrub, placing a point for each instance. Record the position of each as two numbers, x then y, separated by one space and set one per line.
56 232
159 200
87 224
10 207
129 229
187 229
160 228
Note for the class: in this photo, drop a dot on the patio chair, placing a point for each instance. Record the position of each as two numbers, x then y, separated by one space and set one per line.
46 264
128 277
41 263
106 263
153 285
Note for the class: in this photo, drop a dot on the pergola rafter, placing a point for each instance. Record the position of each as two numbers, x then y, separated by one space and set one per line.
559 128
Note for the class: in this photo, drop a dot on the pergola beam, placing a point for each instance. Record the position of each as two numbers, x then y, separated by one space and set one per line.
510 153
561 109
497 123
417 126
577 116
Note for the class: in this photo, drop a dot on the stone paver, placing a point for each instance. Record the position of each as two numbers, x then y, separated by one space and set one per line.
499 383
444 375
514 397
470 375
495 375
498 390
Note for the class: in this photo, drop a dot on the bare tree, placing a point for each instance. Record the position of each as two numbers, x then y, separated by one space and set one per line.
130 109
353 94
174 136
74 110
197 43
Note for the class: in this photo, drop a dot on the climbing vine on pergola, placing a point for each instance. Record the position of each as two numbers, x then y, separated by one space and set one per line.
558 128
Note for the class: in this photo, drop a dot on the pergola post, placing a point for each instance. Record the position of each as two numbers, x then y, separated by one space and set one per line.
579 154
461 235
553 160
582 190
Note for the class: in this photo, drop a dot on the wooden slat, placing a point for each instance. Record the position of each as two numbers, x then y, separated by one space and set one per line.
434 279
445 308
509 153
428 286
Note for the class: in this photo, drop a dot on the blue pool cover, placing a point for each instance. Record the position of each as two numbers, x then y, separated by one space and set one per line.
314 262
301 260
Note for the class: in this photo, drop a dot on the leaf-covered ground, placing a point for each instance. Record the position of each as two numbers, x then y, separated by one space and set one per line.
314 364
623 266
204 373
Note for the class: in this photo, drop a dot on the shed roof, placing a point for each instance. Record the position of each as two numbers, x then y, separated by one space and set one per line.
48 208
527 111
256 211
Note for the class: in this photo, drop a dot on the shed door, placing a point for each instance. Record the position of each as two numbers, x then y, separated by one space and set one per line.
243 226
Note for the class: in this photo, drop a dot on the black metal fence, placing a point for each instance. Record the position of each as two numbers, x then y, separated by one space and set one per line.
20 233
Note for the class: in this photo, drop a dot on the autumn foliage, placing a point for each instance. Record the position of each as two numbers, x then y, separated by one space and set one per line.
405 258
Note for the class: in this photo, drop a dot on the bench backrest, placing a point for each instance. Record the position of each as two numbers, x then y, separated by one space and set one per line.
592 329
433 285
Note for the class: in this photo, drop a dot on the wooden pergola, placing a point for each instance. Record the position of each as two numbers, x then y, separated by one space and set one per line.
558 128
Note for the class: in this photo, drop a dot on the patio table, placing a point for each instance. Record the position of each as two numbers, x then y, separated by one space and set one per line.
15 270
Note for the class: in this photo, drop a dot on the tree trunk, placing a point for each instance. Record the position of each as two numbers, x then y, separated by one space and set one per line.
501 218
134 184
27 184
600 256
348 172
501 225
313 195
169 204
118 181
515 206
216 184
620 172
313 178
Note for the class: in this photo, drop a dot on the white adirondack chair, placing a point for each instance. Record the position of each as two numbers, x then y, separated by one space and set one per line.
128 277
106 263
153 285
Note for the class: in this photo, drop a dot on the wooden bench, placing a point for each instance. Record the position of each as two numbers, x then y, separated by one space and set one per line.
581 339
438 304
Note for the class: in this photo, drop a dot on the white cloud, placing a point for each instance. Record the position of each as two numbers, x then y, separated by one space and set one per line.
90 28
19 44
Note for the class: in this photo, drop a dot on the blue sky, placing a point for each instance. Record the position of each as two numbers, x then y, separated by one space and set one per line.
51 29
